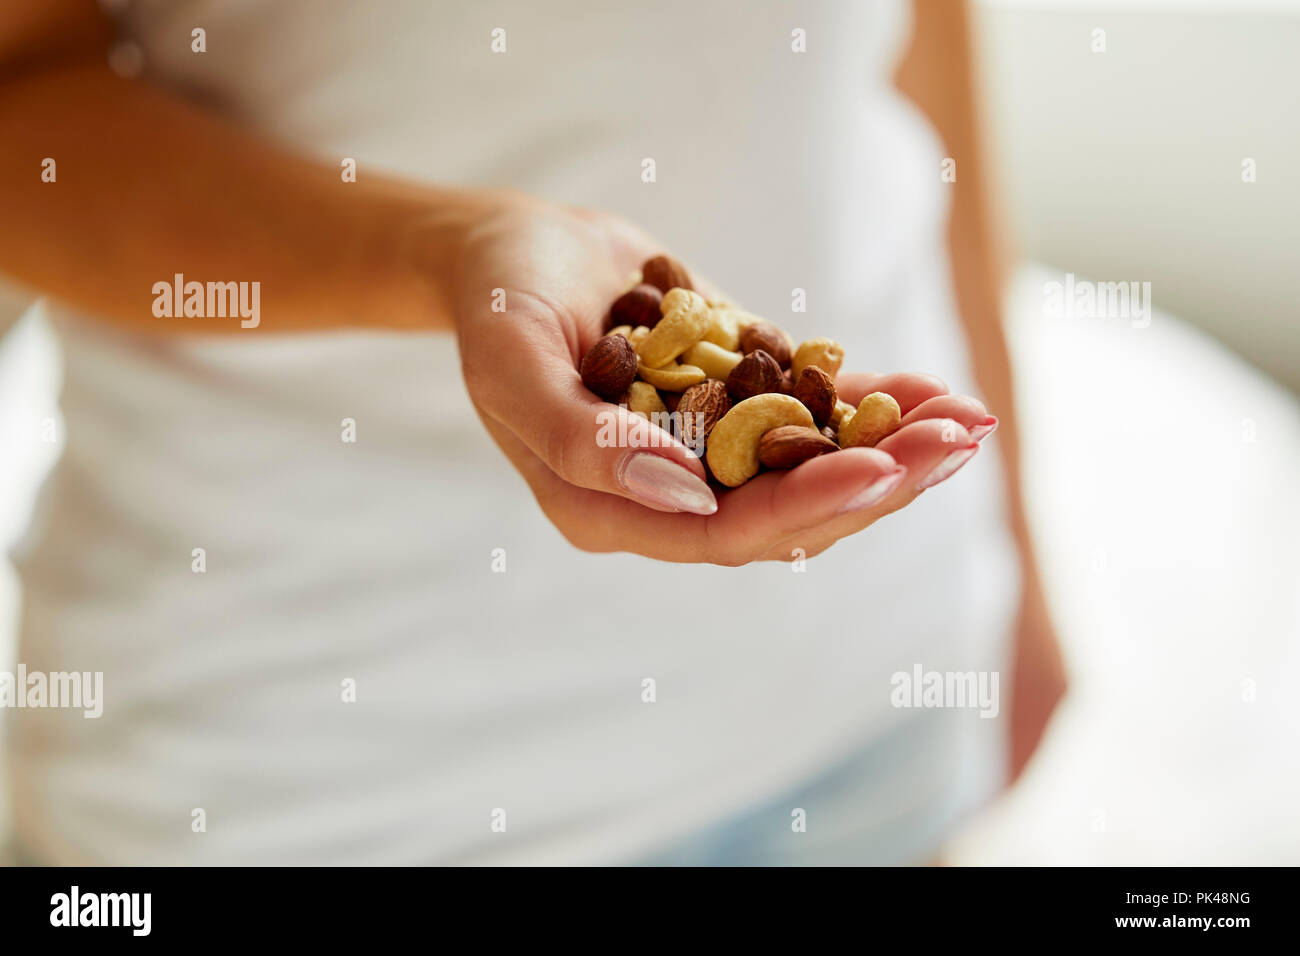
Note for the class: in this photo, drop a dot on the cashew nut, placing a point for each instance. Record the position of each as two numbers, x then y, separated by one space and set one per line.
623 330
637 335
716 361
842 412
673 377
724 326
741 317
685 320
877 417
733 444
826 354
642 399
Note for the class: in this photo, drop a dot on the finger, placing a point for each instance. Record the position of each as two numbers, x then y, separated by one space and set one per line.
931 450
598 522
909 389
810 507
767 509
763 511
968 412
773 506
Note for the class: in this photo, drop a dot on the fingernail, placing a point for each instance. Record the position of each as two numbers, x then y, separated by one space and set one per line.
876 492
985 429
656 481
948 466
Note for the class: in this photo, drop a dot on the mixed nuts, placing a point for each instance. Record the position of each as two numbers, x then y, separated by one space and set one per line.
742 395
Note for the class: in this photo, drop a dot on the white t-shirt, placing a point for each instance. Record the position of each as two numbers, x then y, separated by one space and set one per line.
373 561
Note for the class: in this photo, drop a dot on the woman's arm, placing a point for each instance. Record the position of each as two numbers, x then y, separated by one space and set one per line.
148 185
938 75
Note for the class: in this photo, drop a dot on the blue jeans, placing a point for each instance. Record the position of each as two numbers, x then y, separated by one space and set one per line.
893 803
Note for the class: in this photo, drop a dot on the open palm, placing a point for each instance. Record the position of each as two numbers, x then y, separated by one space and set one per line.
534 285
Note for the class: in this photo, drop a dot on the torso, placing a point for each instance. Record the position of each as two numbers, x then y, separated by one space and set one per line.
373 560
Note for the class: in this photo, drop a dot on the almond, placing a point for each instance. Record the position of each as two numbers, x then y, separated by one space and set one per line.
816 390
755 374
792 445
700 408
665 274
637 306
766 336
609 367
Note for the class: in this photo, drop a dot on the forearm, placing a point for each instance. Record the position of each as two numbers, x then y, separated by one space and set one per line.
148 186
938 75
977 285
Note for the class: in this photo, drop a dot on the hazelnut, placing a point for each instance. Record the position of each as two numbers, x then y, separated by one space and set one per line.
609 367
816 389
755 374
766 336
637 306
666 274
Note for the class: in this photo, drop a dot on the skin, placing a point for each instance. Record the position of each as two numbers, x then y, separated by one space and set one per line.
139 166
544 419
938 75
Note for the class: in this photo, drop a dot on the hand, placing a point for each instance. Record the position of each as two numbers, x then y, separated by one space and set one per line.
559 270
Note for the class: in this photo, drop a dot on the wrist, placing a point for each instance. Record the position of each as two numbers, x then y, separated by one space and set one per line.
406 259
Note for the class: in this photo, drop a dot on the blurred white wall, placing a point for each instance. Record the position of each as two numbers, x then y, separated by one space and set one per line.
1167 541
1168 554
1127 164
